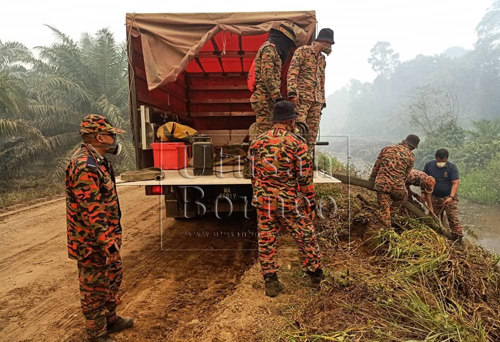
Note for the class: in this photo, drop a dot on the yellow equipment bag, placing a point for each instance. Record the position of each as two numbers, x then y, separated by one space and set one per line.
174 131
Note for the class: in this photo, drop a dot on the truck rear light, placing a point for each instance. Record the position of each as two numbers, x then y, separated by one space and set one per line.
154 190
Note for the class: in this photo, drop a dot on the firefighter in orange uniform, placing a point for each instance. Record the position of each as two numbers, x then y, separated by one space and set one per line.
93 228
390 172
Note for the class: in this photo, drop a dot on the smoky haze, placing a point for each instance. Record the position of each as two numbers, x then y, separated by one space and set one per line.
398 67
447 94
412 27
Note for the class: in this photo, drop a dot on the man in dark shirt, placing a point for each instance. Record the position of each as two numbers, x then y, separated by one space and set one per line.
444 197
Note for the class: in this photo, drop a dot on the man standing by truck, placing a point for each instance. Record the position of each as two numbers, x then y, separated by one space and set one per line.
390 172
93 227
306 80
445 194
268 63
269 60
284 195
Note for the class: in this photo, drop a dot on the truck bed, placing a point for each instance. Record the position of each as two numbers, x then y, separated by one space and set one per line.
225 175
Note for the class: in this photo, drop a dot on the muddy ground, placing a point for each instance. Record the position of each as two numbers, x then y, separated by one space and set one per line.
204 285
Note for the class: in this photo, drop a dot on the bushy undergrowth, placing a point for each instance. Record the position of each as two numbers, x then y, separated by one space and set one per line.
477 156
482 186
403 284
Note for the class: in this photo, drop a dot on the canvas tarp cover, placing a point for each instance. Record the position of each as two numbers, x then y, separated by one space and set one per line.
171 41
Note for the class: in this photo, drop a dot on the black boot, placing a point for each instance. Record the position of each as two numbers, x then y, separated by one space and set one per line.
272 284
316 277
120 324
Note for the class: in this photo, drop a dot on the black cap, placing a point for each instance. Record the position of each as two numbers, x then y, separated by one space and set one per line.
283 111
326 35
412 140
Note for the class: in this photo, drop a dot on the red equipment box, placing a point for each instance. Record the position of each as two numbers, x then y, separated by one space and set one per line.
170 155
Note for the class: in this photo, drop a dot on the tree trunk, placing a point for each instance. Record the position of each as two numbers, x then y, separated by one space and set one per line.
430 221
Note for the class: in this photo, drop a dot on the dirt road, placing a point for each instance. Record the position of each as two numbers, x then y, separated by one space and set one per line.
169 292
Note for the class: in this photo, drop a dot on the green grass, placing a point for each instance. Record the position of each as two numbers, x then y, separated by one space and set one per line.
482 186
329 164
415 251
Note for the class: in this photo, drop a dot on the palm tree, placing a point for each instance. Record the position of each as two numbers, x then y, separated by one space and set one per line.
12 57
69 80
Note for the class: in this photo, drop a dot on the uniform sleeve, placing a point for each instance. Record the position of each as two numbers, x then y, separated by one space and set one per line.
93 211
304 170
268 77
376 167
323 84
293 73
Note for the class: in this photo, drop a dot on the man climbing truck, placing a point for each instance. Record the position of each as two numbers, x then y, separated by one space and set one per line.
191 69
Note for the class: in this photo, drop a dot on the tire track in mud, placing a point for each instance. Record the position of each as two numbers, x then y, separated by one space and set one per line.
39 291
169 292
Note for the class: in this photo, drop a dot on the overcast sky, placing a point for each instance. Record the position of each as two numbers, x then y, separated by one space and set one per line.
411 26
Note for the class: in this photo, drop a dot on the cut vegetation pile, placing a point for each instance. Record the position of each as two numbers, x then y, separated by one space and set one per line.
402 284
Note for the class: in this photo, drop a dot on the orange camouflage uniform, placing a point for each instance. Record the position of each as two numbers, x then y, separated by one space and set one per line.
94 232
93 216
283 196
451 210
389 173
267 85
306 79
422 180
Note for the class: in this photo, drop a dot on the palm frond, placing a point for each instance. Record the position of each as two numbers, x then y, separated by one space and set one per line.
127 157
14 160
49 125
111 111
61 83
11 93
103 56
63 141
62 37
13 52
62 162
68 57
19 128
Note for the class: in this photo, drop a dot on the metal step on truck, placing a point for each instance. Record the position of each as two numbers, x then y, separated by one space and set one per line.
192 69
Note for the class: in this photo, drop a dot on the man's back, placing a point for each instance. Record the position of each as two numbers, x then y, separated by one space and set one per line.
282 167
392 167
306 75
267 73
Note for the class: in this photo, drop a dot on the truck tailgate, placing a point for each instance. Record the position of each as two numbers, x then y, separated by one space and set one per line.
227 175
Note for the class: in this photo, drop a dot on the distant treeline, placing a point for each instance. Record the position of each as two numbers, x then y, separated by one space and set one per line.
451 101
469 78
